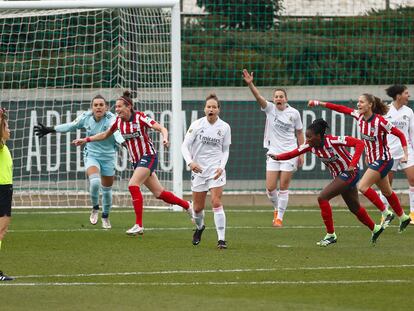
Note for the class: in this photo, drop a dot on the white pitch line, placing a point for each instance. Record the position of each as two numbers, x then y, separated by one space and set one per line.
178 229
319 282
165 272
87 211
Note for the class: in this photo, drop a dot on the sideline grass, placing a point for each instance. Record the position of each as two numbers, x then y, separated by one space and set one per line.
61 262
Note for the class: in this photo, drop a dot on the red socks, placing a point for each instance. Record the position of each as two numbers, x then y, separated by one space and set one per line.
363 217
395 204
326 213
371 195
170 198
138 203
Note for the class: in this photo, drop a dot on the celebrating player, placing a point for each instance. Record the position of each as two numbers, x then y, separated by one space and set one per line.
402 117
99 157
345 172
133 126
283 132
6 181
374 130
206 151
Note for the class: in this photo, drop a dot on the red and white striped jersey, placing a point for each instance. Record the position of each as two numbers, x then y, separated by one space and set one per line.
374 133
333 153
135 133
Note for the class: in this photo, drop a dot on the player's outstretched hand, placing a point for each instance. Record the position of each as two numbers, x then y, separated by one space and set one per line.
248 77
42 130
79 142
313 103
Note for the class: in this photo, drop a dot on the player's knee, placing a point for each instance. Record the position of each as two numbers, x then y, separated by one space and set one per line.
216 203
322 197
362 188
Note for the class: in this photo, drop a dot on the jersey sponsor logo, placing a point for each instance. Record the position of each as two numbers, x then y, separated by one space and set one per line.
330 160
132 135
209 140
369 138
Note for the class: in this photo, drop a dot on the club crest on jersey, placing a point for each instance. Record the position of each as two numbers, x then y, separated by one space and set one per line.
135 126
405 117
330 150
219 133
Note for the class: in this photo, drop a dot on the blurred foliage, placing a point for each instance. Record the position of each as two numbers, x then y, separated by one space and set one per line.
85 50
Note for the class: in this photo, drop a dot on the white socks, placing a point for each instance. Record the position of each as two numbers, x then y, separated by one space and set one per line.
283 203
220 222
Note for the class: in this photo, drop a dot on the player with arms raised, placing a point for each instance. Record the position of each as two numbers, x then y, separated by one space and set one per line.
99 157
133 126
283 132
206 149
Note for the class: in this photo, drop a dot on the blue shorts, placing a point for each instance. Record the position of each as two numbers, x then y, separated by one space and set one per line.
382 166
106 167
149 161
351 180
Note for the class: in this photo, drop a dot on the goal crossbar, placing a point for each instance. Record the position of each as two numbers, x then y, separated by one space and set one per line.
85 4
175 36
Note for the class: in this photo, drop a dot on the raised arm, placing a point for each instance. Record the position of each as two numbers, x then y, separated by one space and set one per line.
248 78
335 107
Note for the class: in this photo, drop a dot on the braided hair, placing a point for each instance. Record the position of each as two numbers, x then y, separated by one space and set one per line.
319 126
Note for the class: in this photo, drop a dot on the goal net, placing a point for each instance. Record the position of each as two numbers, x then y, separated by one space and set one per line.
53 62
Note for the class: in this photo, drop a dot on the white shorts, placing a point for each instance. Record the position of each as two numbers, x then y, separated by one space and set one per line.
398 166
203 184
284 166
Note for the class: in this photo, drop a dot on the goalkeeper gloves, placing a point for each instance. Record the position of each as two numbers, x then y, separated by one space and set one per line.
42 130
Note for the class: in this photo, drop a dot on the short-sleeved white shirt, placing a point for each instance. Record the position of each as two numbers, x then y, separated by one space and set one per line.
207 142
403 119
280 130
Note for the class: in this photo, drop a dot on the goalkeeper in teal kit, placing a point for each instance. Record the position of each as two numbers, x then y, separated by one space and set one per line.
99 157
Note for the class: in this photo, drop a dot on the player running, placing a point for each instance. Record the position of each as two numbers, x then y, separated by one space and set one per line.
99 157
283 132
133 126
206 151
374 130
332 150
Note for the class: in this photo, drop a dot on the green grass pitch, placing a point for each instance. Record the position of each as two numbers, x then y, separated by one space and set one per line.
61 262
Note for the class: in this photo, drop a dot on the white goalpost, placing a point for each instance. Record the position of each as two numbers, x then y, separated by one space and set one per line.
55 56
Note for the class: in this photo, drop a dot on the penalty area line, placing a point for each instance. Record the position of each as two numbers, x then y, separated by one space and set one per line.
225 283
212 271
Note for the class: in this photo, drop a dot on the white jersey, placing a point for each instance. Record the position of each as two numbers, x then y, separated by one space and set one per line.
280 130
207 142
403 119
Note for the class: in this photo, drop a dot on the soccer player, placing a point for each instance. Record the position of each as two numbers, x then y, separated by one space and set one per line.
332 150
133 126
99 157
6 181
402 117
206 149
374 130
283 132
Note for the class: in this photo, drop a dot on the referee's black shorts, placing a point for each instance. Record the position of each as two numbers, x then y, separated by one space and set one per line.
6 195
